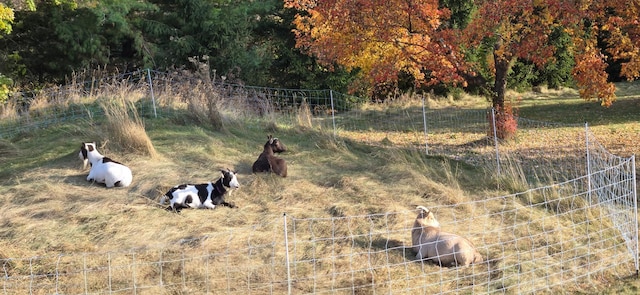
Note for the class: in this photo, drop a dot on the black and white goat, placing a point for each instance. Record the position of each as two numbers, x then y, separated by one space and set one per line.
104 169
267 161
204 195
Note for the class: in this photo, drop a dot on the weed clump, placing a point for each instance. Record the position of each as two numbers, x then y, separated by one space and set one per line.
125 127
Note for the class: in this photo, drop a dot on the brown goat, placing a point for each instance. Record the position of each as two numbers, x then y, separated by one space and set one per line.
442 248
268 162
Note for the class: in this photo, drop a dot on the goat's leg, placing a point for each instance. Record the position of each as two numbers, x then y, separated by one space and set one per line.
209 205
230 205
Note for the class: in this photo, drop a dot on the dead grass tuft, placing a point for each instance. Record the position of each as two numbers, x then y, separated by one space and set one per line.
304 116
204 108
9 110
125 128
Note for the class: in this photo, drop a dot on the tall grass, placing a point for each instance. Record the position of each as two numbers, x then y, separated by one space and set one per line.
125 127
49 208
204 107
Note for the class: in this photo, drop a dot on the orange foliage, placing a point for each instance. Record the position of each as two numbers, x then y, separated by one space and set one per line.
379 37
523 27
384 37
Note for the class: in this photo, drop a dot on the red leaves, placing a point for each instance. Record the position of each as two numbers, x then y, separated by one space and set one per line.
589 73
379 37
384 37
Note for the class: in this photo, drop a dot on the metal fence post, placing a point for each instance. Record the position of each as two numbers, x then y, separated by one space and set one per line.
286 246
635 213
424 122
333 113
153 98
586 140
495 140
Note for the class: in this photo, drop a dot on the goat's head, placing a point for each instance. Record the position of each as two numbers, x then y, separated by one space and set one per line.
426 218
276 145
229 178
85 149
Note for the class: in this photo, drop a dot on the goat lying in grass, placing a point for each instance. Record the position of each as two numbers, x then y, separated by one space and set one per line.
104 169
205 195
267 161
442 248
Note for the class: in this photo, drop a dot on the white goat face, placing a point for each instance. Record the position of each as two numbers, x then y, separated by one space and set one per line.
230 179
426 218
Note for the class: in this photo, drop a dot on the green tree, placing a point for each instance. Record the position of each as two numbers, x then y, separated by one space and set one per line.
60 37
290 67
6 19
218 32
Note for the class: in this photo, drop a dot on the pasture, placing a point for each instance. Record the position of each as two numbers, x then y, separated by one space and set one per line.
50 209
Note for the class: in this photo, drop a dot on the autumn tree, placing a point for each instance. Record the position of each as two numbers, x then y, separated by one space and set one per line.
521 30
380 38
383 38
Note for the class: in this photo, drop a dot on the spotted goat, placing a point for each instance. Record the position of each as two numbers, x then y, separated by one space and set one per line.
104 169
202 196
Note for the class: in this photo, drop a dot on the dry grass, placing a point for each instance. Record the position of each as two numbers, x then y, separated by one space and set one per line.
304 116
8 110
125 128
203 106
334 185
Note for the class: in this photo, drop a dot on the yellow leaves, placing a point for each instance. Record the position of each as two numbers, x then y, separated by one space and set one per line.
591 76
6 18
631 69
380 37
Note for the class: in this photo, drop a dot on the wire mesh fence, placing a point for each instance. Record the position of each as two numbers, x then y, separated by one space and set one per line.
461 134
579 228
548 239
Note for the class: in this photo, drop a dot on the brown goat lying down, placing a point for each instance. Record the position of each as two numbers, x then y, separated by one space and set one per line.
267 161
442 248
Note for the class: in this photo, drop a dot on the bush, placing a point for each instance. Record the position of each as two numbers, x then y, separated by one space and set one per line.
506 123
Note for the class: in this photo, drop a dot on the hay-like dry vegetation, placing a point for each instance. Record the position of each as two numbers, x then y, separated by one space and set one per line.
50 211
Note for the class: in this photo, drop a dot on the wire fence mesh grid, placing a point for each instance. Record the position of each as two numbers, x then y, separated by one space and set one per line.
368 253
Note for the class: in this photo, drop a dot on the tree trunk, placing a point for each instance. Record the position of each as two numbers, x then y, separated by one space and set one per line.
505 122
500 86
502 62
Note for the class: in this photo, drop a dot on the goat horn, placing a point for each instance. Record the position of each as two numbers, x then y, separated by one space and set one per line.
423 209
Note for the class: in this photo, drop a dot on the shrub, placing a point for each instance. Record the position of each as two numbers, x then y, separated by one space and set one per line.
506 122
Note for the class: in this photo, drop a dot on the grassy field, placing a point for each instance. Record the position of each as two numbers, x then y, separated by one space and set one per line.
49 207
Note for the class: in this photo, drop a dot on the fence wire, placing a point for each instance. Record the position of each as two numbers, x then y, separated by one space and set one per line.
579 227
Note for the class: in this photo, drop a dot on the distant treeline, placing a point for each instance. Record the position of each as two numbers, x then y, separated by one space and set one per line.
244 41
